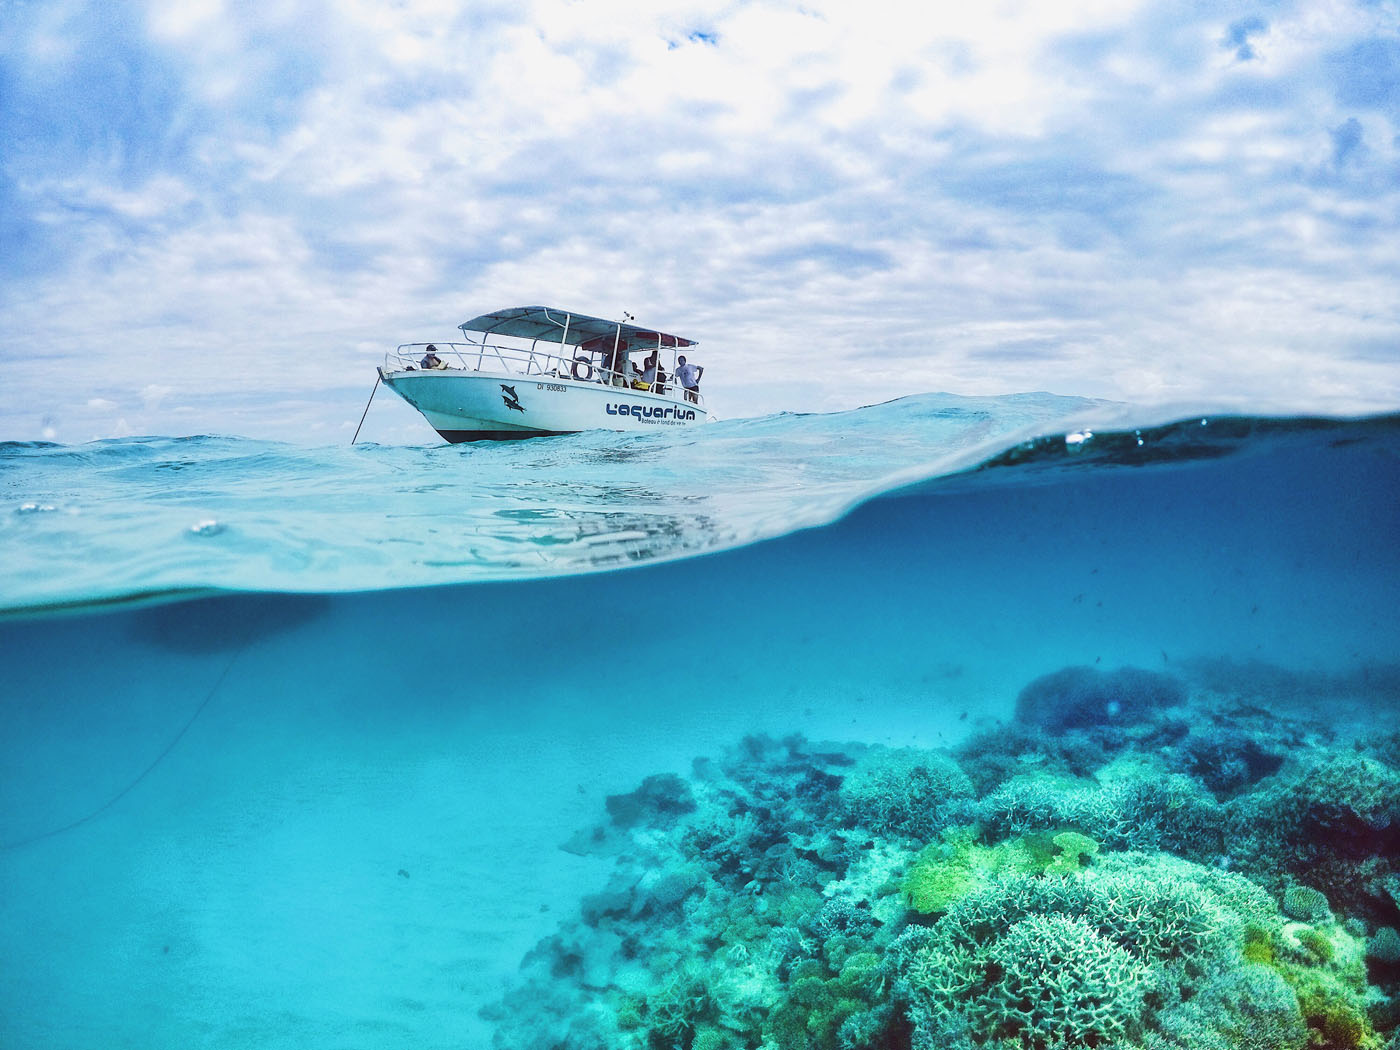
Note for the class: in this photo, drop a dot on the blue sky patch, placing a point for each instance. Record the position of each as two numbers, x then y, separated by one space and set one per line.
1240 36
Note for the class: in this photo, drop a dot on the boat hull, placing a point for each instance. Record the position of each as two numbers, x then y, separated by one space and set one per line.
484 406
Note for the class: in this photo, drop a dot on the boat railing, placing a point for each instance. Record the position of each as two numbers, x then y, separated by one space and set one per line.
514 360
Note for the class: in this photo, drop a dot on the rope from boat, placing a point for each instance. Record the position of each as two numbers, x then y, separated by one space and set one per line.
372 392
131 786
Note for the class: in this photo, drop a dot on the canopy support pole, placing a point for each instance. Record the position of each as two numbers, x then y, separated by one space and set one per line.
367 404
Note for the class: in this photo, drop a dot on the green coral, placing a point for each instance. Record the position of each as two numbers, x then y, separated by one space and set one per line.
863 976
1335 1019
1072 852
1258 945
940 875
812 1013
944 872
817 1006
1318 944
1326 969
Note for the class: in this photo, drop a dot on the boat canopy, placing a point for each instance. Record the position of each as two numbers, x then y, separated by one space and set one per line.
554 326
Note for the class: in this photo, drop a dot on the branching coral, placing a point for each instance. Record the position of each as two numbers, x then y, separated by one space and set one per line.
1248 1008
1169 923
1138 808
1335 804
904 791
1059 981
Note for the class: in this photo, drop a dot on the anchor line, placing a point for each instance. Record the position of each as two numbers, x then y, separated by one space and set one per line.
131 786
373 391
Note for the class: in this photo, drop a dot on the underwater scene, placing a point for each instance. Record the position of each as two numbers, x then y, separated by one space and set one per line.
1013 723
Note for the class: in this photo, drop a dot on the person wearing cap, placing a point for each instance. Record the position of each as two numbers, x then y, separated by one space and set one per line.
431 359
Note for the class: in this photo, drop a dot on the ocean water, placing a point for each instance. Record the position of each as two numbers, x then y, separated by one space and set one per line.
661 740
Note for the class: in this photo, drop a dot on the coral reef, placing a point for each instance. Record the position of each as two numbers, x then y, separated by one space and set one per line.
1087 698
908 792
1134 864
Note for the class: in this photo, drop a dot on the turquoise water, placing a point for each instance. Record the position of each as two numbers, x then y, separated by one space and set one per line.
327 810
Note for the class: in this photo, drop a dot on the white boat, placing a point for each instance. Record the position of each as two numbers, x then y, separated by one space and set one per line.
535 370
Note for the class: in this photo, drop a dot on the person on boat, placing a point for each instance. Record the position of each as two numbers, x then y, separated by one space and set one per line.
614 361
647 379
688 376
431 359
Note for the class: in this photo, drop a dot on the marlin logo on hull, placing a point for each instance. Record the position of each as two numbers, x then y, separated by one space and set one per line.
649 412
508 396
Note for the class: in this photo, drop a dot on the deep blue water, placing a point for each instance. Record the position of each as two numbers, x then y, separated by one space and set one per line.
340 794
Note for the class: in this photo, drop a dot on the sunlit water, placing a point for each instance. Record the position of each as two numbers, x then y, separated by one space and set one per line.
327 811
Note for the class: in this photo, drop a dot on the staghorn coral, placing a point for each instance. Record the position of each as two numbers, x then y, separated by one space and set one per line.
904 791
1249 1008
1060 981
1135 807
1169 923
1337 802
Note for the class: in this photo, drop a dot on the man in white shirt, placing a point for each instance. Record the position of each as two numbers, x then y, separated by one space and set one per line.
688 376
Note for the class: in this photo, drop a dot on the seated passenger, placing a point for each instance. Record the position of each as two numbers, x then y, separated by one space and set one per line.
648 375
614 362
431 359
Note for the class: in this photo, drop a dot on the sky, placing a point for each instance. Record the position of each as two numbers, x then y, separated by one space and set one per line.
218 217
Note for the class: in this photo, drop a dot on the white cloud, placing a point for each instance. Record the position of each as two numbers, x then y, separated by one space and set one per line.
152 394
181 20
